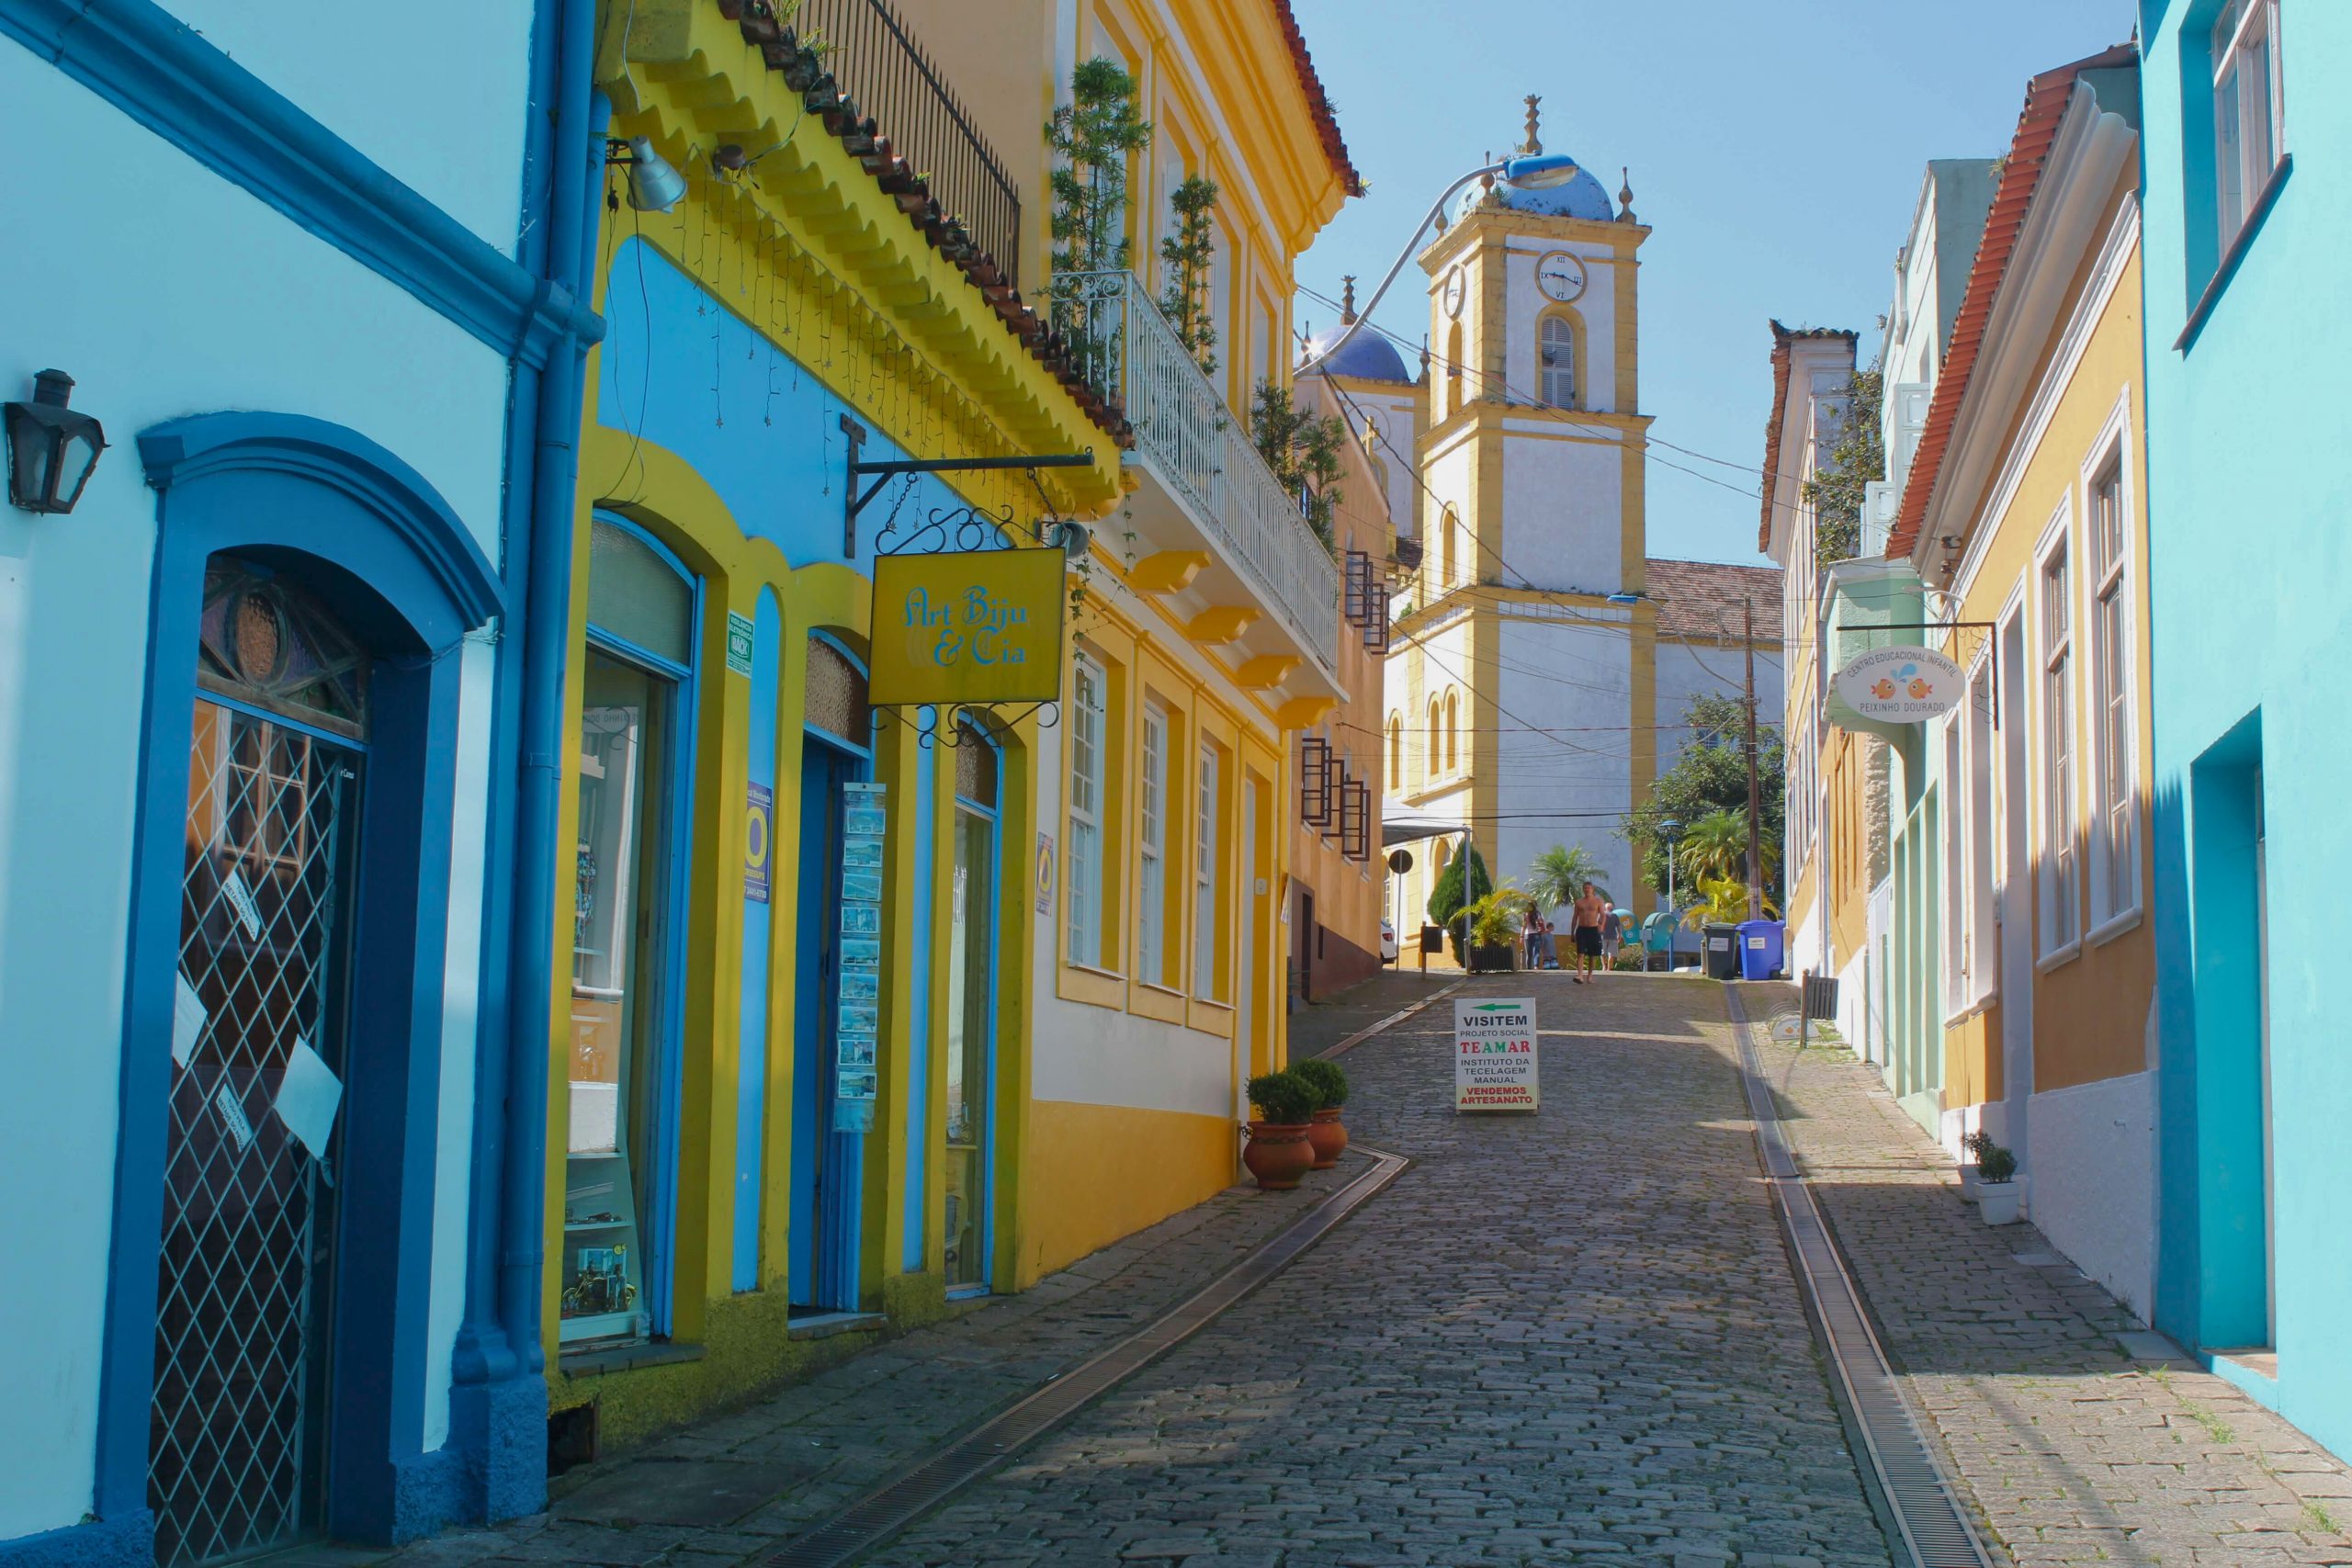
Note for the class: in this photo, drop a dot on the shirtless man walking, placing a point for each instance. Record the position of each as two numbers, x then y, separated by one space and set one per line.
1591 911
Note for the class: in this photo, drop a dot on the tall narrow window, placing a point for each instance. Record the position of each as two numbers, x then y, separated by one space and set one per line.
1955 913
1981 955
1452 717
1453 369
1447 526
1557 344
1205 894
1151 903
1090 709
1396 750
1431 757
2116 839
2247 118
2060 896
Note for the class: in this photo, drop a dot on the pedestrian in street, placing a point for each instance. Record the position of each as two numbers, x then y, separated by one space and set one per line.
1613 935
1590 910
1530 937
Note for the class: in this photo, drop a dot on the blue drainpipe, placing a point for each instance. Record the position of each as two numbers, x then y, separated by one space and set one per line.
499 1408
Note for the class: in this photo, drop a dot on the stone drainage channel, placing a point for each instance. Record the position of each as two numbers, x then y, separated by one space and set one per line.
1916 1499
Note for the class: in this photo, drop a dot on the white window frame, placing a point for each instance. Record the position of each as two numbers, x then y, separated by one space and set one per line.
1556 380
1205 893
1980 755
2249 138
1151 850
2111 677
2057 771
1082 862
1955 933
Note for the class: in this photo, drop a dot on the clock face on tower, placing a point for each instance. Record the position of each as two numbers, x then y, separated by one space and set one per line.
1453 292
1561 277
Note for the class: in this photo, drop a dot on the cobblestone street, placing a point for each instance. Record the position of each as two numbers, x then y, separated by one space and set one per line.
1567 1337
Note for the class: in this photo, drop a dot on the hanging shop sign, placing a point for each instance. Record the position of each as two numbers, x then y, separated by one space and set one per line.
967 627
1494 1055
864 816
1900 685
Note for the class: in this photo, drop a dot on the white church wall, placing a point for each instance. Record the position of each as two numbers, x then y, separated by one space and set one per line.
1569 785
1685 670
1563 522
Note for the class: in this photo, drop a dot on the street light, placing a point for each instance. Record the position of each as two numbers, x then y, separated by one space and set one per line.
1527 170
52 448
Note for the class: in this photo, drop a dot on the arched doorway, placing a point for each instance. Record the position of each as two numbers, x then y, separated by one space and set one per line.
837 988
247 1263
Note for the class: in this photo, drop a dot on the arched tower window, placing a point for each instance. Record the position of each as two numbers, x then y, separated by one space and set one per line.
1396 747
1448 525
1431 755
1452 719
1453 370
1557 369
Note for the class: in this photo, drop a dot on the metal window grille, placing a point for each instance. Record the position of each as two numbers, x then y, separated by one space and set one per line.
1376 629
1335 788
1362 588
1355 820
234 1444
874 60
1315 802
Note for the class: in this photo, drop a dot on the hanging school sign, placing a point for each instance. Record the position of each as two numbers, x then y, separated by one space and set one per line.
1494 1055
967 627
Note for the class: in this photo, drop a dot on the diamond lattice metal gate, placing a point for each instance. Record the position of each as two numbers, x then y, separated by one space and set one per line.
236 1434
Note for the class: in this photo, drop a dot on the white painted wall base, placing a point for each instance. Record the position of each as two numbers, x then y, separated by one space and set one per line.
2093 1162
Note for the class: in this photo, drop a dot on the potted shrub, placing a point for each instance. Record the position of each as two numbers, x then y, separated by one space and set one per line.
1998 1195
1463 881
1326 1135
1496 922
1975 1143
1278 1153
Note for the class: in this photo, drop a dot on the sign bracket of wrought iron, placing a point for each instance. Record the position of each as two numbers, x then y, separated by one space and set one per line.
854 501
951 735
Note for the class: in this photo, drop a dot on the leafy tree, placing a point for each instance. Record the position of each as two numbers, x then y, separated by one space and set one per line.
1858 459
1303 448
1717 845
1559 874
1184 299
1723 902
1711 775
1462 882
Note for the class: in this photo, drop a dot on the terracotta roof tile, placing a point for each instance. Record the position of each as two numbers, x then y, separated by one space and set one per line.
1701 598
2045 105
1327 124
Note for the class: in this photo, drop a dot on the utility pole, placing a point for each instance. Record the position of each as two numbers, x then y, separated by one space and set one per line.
1755 791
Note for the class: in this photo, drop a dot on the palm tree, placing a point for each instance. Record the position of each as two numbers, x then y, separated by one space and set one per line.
1559 874
1714 846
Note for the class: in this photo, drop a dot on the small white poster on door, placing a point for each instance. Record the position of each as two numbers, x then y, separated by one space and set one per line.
1494 1053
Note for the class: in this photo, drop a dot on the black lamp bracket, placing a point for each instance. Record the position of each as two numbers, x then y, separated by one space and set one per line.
854 500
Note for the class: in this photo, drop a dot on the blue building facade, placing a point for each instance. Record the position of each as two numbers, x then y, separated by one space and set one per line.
2246 220
268 802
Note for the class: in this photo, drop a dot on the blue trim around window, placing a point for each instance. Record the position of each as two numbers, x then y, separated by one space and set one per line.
996 968
163 74
658 1224
331 508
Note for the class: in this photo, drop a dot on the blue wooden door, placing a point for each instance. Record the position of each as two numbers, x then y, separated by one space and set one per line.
822 1243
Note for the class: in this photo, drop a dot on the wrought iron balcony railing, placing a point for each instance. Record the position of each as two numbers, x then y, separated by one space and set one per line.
1196 444
869 53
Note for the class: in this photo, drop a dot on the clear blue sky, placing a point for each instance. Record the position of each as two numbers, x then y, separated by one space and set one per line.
1776 147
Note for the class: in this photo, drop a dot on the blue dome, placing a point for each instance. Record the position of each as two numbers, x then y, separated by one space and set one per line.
1580 198
1367 356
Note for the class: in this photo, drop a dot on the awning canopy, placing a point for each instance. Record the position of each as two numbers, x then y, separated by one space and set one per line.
1396 830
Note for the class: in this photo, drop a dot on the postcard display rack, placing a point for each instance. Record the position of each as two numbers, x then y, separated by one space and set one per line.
864 816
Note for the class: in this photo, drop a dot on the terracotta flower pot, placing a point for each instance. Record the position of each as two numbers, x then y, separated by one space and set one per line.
1278 1154
1328 1135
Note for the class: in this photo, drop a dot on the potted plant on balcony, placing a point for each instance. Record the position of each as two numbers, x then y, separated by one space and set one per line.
1185 256
1302 448
1278 1153
1998 1197
1326 1134
1093 137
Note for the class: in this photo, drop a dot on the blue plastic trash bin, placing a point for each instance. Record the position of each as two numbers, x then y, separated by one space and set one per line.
1760 949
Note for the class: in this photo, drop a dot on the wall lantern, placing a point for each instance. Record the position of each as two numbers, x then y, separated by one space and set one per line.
654 183
51 449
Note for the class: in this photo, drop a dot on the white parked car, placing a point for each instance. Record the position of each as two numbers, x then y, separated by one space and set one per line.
1387 940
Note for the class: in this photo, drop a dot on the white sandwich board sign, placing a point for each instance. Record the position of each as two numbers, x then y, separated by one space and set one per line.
1494 1053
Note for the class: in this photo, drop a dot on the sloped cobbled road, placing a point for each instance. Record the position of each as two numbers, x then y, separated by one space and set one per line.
1565 1338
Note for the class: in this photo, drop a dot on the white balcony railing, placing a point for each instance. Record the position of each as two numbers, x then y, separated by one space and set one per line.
1198 448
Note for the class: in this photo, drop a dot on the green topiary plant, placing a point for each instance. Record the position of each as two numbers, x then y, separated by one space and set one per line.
1186 256
1283 1100
1330 1083
1303 449
1462 882
1995 1164
1977 1143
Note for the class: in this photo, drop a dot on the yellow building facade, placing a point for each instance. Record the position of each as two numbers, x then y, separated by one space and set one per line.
824 1059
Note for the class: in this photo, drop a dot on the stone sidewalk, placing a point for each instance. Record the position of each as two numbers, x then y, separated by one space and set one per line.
2073 1448
741 1483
